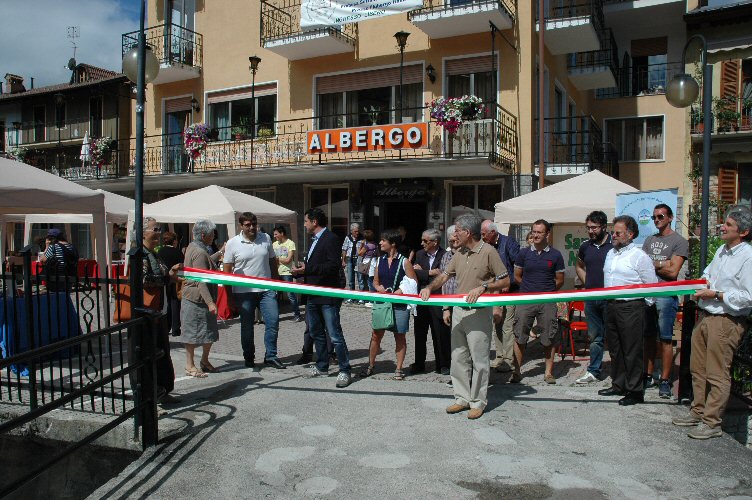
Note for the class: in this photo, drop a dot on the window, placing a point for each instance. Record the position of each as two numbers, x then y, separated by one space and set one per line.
335 203
745 185
649 65
60 114
2 136
373 106
235 118
39 125
474 198
95 117
636 139
479 84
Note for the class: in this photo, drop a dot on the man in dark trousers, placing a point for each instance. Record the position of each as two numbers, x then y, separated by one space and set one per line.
322 268
426 267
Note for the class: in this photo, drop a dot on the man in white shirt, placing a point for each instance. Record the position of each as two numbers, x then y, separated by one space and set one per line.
626 264
724 308
250 253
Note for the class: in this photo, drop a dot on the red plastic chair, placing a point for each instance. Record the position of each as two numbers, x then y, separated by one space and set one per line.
573 325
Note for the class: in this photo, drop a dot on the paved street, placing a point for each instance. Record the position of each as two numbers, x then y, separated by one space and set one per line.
268 433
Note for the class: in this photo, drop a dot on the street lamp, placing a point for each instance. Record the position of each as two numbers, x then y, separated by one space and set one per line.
401 37
254 60
681 92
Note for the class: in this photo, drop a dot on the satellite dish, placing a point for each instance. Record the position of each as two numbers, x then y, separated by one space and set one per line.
71 63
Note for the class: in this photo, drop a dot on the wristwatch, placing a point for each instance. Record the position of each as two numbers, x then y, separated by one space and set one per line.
717 295
484 285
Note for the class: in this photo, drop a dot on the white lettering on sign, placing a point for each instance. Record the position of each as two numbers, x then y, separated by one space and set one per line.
315 143
413 135
377 137
328 142
361 137
395 136
345 139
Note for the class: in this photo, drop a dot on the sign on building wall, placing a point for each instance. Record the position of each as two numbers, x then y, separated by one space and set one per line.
640 206
320 13
376 138
567 239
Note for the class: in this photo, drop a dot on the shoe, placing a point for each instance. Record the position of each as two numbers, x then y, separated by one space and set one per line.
648 381
304 359
516 378
169 399
632 399
161 412
348 301
702 431
367 371
588 378
688 420
297 319
343 380
664 389
449 384
474 413
398 375
504 367
444 371
455 408
315 372
274 362
611 391
208 368
249 363
549 379
195 373
369 304
361 302
416 368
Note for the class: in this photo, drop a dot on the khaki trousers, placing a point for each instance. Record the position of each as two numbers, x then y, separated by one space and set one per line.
471 350
714 341
504 338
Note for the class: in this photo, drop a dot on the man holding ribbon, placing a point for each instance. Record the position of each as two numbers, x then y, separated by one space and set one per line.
478 269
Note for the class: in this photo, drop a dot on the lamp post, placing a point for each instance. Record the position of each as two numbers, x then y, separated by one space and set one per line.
681 92
401 37
254 60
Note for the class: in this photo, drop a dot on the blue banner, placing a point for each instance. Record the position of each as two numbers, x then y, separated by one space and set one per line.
640 205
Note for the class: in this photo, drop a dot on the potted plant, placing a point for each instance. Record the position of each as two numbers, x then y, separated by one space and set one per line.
265 133
726 114
195 137
373 113
698 122
17 154
100 152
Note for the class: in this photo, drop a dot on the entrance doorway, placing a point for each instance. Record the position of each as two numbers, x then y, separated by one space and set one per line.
411 214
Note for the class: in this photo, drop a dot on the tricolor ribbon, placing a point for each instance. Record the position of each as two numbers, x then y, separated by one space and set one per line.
664 289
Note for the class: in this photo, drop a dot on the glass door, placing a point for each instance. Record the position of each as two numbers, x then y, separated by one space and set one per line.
175 158
182 31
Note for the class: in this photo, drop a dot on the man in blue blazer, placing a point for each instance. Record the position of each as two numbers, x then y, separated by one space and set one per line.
322 268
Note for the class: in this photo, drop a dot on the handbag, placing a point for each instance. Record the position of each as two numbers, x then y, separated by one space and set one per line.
123 311
364 265
382 313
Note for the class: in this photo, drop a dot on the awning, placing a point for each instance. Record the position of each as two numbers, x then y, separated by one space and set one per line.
722 50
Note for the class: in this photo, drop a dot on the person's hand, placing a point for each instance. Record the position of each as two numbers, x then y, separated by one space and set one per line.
417 267
472 297
398 292
434 272
498 314
213 308
447 316
174 270
298 270
425 294
380 288
344 264
705 293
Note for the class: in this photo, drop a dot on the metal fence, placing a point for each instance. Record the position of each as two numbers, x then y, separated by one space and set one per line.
635 80
280 19
730 114
567 9
61 351
432 6
606 56
171 43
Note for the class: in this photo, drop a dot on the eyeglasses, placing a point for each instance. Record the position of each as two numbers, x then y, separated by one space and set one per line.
592 228
155 229
250 224
537 232
658 217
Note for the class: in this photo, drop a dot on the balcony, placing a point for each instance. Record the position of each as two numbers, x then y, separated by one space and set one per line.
66 162
179 51
730 125
638 81
576 151
572 25
48 134
595 69
446 18
279 151
281 33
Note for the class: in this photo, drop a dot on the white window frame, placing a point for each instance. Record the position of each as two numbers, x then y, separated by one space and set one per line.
207 105
307 201
644 128
448 184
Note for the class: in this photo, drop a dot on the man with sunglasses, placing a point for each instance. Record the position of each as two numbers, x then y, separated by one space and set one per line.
669 250
589 269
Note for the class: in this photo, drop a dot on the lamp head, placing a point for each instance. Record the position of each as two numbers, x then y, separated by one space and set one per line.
401 37
194 105
254 60
130 64
431 73
682 90
59 99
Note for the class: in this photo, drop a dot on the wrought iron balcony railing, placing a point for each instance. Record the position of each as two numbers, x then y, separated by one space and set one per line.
560 10
284 143
280 19
31 133
730 115
606 56
171 43
635 80
430 6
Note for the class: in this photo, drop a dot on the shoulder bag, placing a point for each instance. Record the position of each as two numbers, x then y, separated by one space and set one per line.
382 315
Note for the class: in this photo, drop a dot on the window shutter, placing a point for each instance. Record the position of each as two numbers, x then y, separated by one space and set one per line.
244 93
730 78
372 79
178 104
727 183
650 46
467 65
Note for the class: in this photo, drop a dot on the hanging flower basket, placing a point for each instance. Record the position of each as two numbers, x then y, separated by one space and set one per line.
17 154
451 112
100 151
195 138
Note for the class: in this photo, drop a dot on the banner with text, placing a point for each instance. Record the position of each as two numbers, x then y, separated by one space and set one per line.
321 13
640 206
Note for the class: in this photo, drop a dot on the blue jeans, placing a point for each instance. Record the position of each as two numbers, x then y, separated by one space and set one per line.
320 315
660 318
267 302
293 296
351 271
595 314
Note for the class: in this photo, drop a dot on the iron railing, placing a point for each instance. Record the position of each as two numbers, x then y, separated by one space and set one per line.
636 80
432 6
72 127
566 9
60 350
280 19
730 114
284 143
171 43
606 56
67 161
576 142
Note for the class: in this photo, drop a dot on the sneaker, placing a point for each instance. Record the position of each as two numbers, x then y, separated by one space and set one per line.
315 372
456 408
343 379
516 378
664 389
369 304
297 319
475 413
348 301
588 378
361 302
702 431
688 420
648 382
304 359
449 384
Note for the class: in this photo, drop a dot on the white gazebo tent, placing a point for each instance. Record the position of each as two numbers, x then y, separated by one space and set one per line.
30 190
219 205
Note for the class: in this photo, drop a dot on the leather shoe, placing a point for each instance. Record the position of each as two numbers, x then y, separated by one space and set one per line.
249 363
274 362
474 413
611 391
632 398
416 368
455 408
304 359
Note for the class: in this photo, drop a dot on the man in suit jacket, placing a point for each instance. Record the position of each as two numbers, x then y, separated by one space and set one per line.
322 268
427 262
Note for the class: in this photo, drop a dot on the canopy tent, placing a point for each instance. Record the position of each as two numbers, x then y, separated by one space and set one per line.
219 205
30 190
569 201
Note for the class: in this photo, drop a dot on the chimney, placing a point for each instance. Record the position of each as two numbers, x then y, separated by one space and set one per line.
14 83
32 83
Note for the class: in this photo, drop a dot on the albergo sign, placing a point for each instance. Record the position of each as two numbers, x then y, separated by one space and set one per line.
376 138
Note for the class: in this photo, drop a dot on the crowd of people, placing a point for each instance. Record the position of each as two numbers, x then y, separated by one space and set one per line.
475 260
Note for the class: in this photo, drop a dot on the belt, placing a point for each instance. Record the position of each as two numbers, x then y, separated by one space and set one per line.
622 301
723 315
